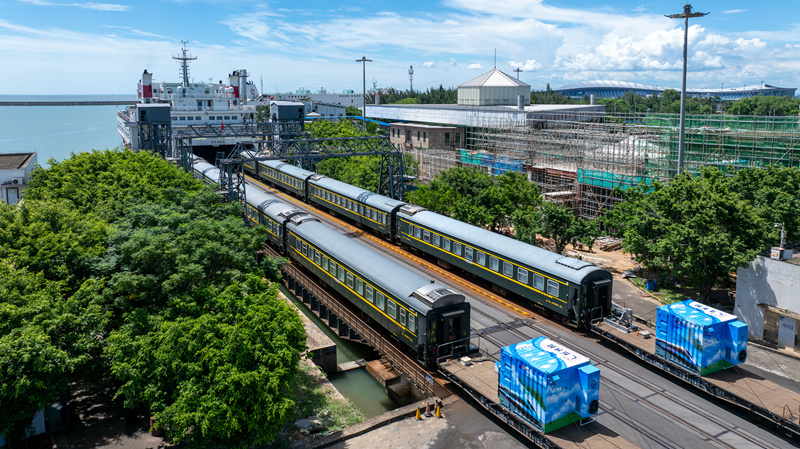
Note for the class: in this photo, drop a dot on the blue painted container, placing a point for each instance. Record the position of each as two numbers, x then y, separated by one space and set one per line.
700 338
546 384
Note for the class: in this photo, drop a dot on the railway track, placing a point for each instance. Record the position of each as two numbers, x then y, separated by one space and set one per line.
658 402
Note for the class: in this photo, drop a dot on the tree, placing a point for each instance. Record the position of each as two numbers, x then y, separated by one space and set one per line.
773 192
352 111
221 379
696 228
473 196
558 224
765 105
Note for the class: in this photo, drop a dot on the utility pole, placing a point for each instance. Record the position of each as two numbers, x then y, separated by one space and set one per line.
411 79
364 62
518 70
687 13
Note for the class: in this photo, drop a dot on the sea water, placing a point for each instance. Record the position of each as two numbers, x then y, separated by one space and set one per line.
57 131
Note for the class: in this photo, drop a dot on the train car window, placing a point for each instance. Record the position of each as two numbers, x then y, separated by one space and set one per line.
495 263
468 254
392 308
341 273
304 248
456 248
426 235
436 239
350 280
481 258
508 269
538 282
522 275
412 325
446 244
402 318
379 300
317 257
359 286
369 294
417 232
552 288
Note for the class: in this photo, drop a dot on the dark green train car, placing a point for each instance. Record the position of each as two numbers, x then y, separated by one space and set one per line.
430 319
576 290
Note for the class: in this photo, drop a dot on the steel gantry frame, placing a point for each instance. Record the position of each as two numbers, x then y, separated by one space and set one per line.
304 152
280 140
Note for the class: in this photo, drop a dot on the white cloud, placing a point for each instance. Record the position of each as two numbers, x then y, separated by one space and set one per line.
475 66
428 64
529 65
85 5
734 11
750 44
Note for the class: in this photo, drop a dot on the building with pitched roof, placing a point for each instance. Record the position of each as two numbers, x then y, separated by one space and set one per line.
494 88
15 172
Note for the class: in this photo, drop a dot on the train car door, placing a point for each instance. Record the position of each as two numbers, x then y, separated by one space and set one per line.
602 296
450 327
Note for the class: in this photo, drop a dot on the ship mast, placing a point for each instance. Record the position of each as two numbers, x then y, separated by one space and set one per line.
184 58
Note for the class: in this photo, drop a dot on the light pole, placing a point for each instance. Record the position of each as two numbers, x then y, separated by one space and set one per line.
364 62
518 70
687 13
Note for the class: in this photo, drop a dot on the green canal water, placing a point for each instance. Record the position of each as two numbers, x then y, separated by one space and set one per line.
357 385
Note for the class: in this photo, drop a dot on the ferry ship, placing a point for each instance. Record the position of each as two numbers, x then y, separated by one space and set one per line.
191 103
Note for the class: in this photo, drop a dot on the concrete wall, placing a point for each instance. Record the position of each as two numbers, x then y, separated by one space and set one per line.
766 281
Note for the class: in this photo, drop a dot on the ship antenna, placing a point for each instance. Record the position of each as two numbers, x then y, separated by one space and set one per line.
184 58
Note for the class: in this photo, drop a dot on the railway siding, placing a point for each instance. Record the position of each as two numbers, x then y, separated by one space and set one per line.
754 396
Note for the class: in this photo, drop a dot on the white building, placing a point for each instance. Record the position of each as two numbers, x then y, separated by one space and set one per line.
768 300
494 88
15 172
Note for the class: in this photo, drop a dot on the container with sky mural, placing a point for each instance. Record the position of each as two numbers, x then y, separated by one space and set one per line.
546 384
700 338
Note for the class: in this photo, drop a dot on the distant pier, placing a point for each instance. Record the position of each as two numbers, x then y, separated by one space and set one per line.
70 103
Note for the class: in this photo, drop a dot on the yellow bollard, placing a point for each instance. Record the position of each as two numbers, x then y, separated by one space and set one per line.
418 414
438 410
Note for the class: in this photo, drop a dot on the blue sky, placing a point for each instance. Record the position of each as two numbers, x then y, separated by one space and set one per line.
80 47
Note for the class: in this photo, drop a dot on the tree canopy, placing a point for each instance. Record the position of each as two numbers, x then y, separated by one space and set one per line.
696 227
118 265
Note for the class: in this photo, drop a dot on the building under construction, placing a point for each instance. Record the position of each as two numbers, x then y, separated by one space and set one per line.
587 161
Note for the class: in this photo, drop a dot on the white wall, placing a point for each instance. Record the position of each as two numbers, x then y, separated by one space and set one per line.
766 281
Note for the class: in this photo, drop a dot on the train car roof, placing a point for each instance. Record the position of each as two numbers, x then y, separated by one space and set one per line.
289 169
266 203
373 199
204 167
564 267
389 275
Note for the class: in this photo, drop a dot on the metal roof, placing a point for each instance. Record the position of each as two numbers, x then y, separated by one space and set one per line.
383 203
494 78
390 276
610 84
532 256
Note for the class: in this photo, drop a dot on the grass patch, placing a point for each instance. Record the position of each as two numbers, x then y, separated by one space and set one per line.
314 400
665 295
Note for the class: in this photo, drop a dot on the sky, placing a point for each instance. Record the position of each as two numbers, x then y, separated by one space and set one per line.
93 47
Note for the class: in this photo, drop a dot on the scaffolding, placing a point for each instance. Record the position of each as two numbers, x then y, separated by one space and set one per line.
587 160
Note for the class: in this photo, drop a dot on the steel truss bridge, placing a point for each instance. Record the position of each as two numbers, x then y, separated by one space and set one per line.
261 141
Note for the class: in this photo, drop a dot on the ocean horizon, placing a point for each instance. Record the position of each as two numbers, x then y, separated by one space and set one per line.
58 131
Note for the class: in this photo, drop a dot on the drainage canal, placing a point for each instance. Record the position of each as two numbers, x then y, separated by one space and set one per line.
357 385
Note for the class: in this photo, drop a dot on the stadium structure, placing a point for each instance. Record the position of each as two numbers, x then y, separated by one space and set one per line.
616 89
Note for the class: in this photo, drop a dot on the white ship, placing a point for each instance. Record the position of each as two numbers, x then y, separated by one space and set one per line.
192 103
